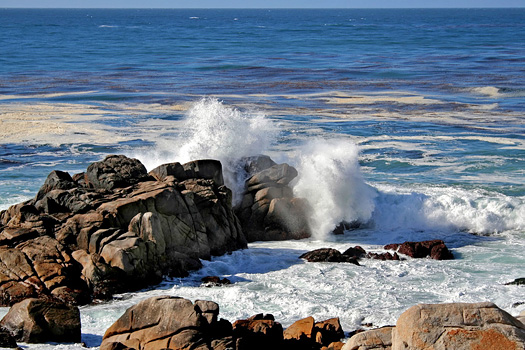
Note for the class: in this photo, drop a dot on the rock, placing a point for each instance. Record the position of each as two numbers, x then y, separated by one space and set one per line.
344 226
328 331
375 339
337 345
517 282
357 252
169 322
255 164
176 170
383 256
268 210
209 169
115 171
258 332
300 330
457 326
56 180
328 255
214 281
7 340
40 321
119 230
436 249
521 317
278 175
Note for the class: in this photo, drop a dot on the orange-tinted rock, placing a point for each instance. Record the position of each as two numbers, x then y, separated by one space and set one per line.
458 326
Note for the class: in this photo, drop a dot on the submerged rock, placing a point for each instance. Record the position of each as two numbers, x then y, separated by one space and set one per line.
517 282
115 228
214 281
328 255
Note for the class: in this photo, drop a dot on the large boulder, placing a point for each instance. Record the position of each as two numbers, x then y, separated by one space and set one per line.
115 228
115 171
457 326
40 321
268 210
169 323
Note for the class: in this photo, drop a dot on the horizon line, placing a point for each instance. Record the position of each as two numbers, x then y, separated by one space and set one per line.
263 8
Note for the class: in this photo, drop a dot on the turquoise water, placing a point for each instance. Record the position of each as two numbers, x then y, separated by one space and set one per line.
409 121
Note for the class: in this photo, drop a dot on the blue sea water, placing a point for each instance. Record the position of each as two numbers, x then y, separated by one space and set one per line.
410 121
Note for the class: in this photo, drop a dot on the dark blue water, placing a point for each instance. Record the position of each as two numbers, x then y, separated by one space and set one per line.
124 52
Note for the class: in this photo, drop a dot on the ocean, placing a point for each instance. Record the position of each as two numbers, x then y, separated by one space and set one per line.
409 121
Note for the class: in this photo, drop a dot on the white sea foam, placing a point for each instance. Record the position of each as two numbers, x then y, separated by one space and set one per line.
214 130
447 209
330 179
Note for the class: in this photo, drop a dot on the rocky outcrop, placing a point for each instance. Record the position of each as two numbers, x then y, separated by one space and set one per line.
115 228
41 321
455 326
175 323
435 249
268 210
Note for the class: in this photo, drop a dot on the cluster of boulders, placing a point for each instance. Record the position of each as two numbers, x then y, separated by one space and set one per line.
434 249
177 323
117 227
168 322
268 211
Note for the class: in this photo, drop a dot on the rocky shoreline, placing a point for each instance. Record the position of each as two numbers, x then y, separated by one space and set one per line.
117 228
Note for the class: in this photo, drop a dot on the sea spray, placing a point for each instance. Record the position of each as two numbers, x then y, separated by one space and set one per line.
447 210
330 179
214 130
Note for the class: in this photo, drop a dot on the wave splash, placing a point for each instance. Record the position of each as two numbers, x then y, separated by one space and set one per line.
448 209
331 180
213 130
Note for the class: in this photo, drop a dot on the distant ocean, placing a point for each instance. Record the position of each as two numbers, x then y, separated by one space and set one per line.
409 121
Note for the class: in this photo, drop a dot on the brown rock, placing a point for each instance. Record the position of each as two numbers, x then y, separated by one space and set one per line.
436 249
457 326
328 331
258 332
375 339
300 329
41 321
127 231
163 322
357 252
334 346
328 255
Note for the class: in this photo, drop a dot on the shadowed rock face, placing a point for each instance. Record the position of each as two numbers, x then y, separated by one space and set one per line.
268 211
40 321
115 228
